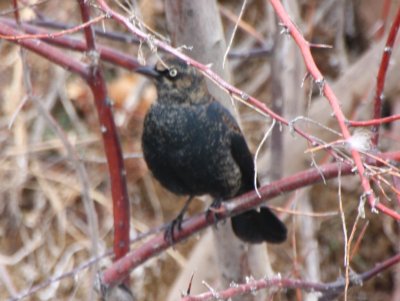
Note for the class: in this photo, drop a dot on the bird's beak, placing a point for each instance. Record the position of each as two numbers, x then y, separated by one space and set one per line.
147 71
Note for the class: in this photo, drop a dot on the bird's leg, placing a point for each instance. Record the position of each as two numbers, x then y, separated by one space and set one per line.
176 222
214 208
215 205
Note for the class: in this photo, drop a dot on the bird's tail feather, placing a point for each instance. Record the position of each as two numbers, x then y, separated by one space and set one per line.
259 226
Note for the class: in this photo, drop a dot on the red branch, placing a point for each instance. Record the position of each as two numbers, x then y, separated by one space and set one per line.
107 54
380 81
114 274
115 161
328 92
111 142
89 33
379 121
119 269
332 289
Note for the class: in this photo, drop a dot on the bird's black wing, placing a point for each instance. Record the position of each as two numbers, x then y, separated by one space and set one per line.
244 159
239 149
253 226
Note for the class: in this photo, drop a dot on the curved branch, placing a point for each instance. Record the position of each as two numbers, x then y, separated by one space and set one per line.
329 290
114 274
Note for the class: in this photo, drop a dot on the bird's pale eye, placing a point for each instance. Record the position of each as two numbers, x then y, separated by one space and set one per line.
173 72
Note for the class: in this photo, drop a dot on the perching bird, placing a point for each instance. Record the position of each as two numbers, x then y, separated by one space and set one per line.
193 146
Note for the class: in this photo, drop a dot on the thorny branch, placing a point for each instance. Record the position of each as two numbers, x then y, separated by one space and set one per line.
334 102
329 290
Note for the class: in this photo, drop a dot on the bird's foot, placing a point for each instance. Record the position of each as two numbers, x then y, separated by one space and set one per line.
176 223
169 231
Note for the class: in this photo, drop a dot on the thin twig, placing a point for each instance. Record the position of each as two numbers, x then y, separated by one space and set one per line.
234 32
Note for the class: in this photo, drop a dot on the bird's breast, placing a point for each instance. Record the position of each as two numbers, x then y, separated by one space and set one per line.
177 127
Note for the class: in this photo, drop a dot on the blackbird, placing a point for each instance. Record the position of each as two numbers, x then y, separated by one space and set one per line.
193 146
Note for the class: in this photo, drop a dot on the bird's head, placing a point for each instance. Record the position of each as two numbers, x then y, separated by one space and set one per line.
177 82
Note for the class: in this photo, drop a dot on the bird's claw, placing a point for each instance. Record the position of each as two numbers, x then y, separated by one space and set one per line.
169 231
214 209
